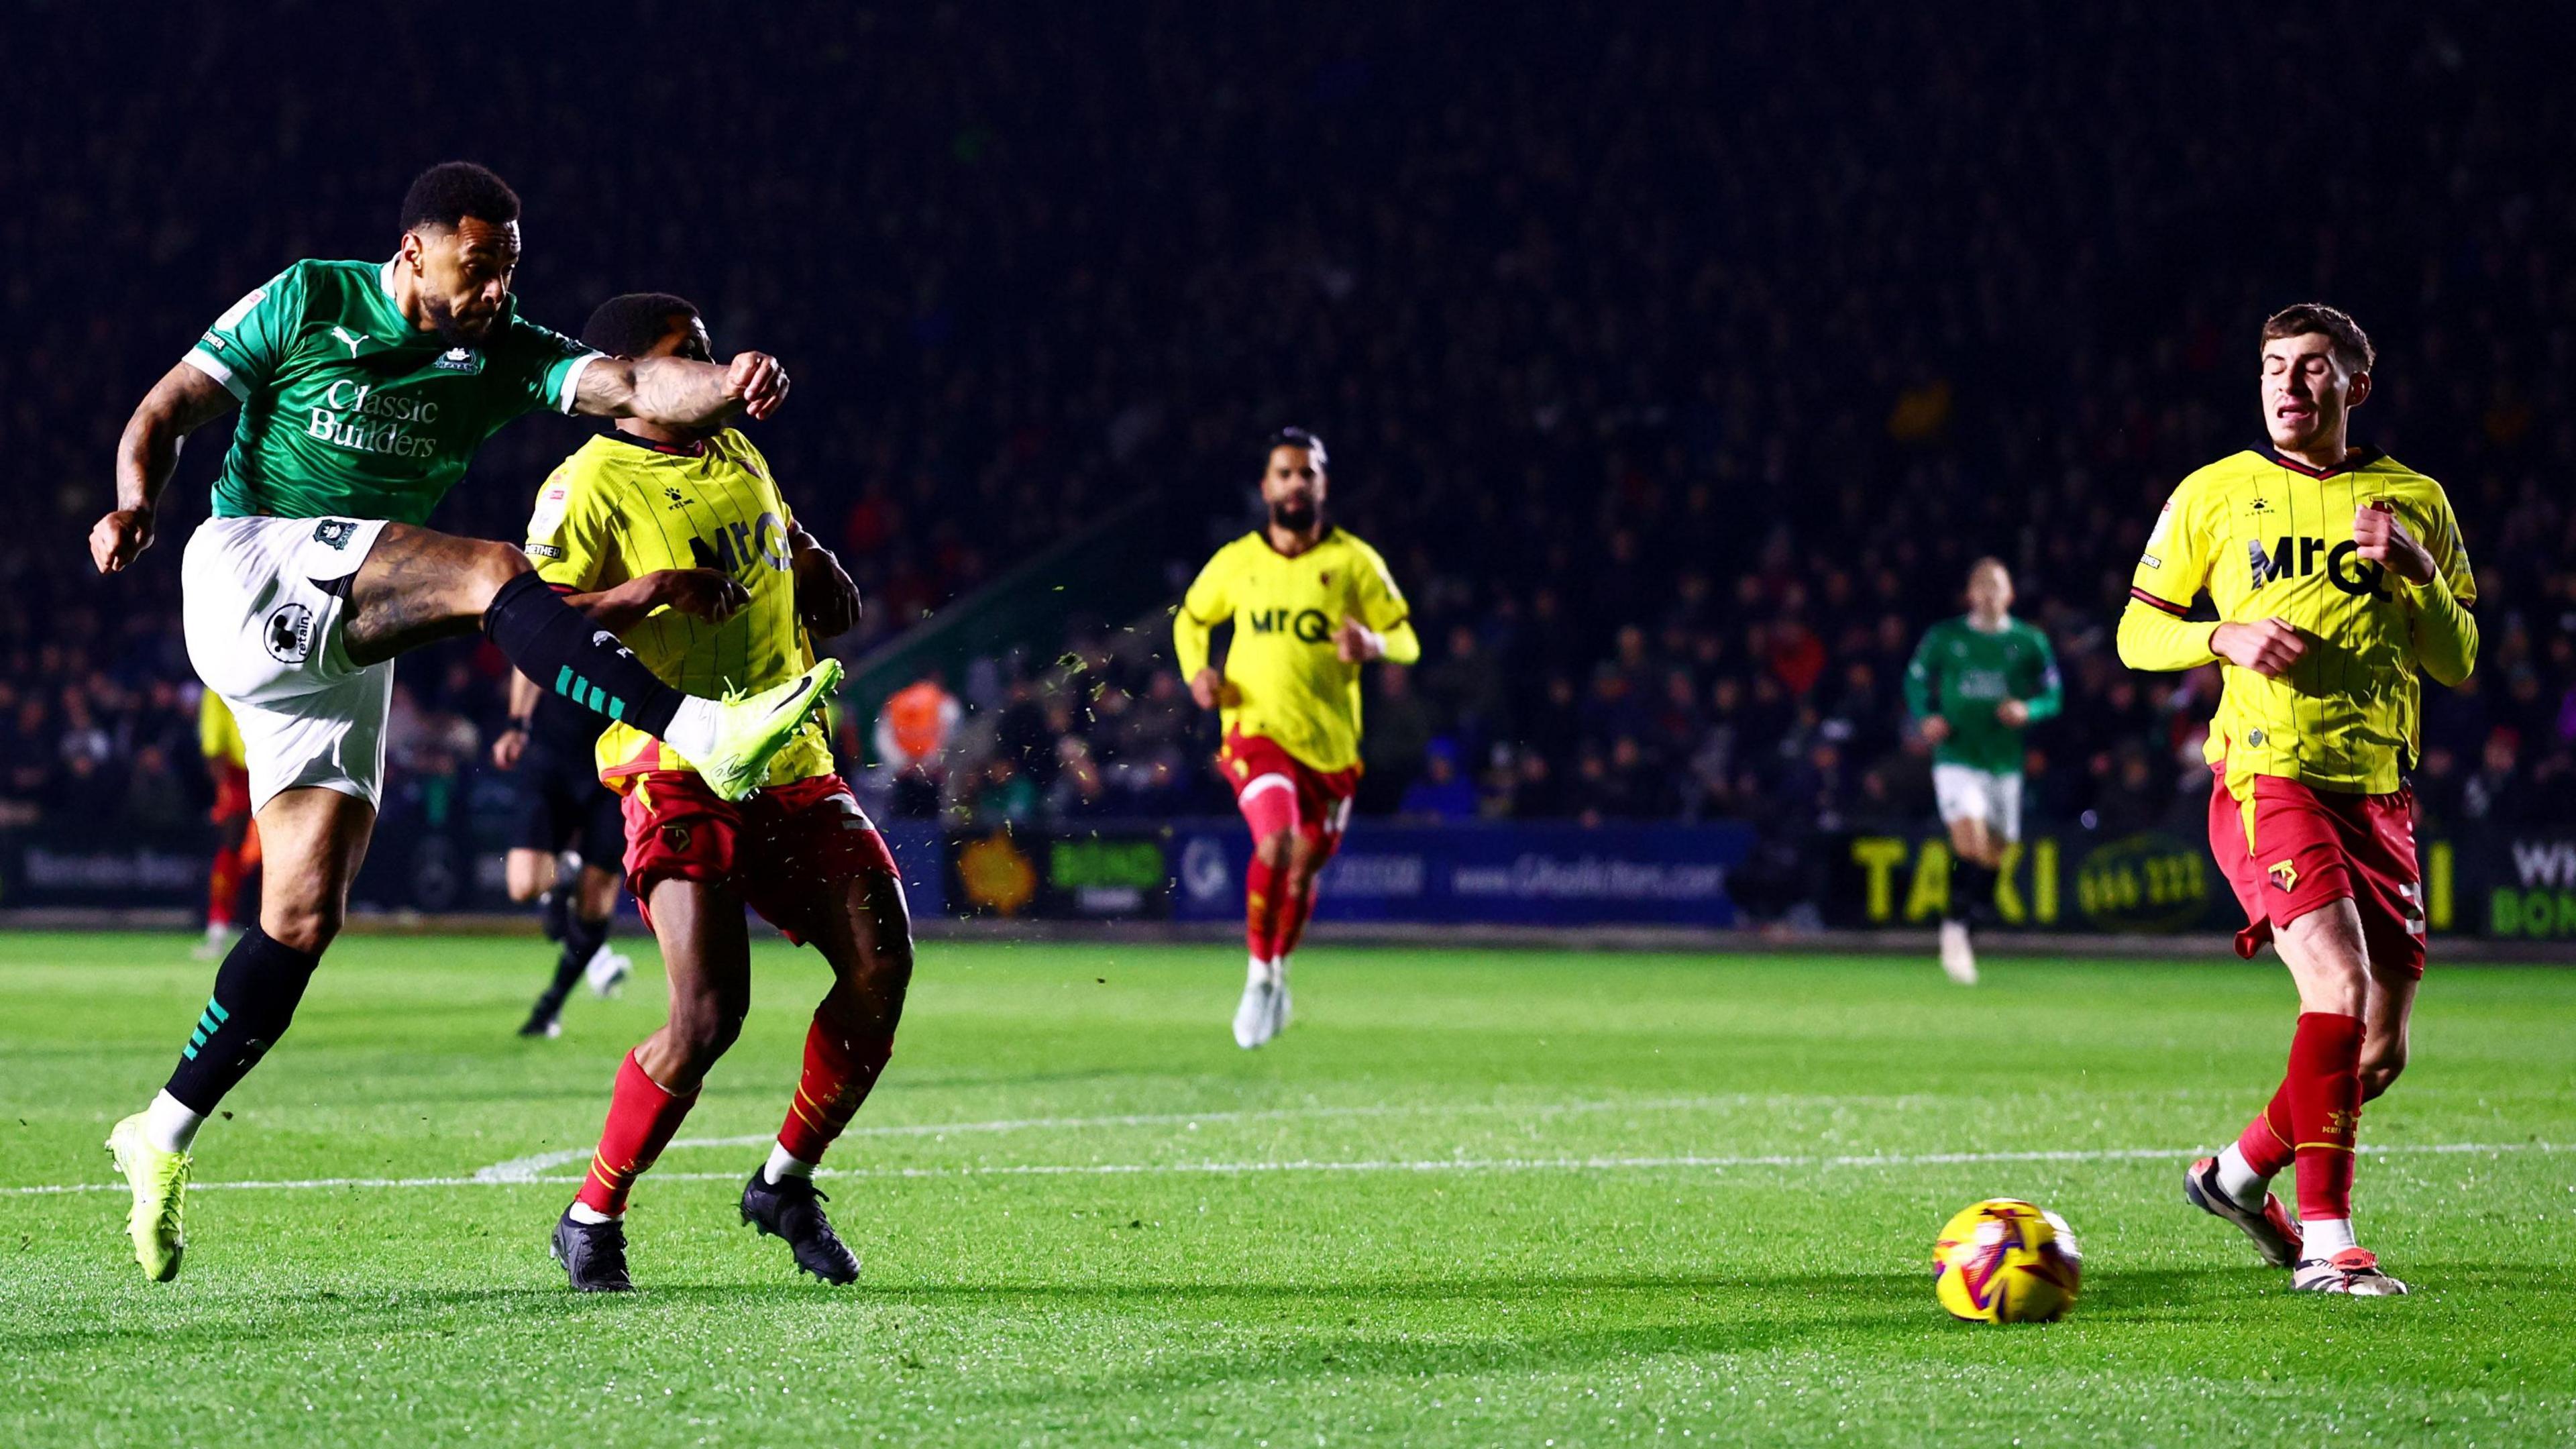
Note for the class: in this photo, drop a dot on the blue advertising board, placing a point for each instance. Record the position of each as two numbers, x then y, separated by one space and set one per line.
1496 874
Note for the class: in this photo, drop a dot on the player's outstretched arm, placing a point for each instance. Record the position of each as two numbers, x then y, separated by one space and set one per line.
709 594
678 393
183 401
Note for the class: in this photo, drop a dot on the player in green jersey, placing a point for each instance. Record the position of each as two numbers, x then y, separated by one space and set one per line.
364 389
1975 683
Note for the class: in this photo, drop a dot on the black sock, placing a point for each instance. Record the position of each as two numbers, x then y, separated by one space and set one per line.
552 643
581 941
550 914
256 991
1972 889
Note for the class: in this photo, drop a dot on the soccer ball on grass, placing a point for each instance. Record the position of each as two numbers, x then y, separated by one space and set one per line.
2006 1261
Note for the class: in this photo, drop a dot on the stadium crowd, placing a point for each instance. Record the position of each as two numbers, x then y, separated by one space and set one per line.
1678 391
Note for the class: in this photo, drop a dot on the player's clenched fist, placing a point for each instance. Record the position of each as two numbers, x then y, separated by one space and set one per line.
709 594
757 379
2268 647
1210 689
117 538
2385 542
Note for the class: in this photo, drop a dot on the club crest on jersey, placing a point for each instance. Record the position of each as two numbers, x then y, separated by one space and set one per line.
335 531
1325 579
2284 875
289 633
459 359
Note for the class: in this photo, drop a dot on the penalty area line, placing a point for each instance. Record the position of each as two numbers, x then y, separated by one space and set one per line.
1675 1162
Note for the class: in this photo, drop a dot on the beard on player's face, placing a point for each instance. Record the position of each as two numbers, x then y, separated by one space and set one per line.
453 330
1296 514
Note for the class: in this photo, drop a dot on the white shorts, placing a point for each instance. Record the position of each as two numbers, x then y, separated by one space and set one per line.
264 600
1968 793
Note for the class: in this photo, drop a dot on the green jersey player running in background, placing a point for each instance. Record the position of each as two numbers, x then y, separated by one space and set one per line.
1976 682
364 389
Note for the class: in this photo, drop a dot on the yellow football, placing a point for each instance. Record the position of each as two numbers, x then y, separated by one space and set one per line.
2006 1261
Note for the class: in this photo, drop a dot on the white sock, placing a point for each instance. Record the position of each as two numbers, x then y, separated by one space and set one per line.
2238 1179
1279 972
583 1212
1259 973
784 1164
169 1124
693 729
2325 1237
216 932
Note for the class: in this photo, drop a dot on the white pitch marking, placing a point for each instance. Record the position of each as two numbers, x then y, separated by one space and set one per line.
526 1169
1425 1165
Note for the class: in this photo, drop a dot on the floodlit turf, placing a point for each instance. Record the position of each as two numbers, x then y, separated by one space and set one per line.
1471 1197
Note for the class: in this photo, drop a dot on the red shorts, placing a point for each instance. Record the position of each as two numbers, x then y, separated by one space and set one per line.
786 851
1264 776
232 794
2289 849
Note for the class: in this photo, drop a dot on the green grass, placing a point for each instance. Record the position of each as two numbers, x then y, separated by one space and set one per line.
1514 1268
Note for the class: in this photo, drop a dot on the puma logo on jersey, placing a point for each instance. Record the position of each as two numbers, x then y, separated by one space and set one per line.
353 340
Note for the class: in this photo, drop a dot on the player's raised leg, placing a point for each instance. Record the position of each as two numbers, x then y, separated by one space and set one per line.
418 586
860 925
314 839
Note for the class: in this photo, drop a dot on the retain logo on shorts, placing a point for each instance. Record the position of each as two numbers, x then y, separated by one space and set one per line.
335 531
675 837
289 634
2284 875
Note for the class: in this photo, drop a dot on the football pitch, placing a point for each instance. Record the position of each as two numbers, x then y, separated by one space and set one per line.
1471 1197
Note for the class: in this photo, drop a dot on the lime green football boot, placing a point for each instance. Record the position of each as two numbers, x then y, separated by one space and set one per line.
160 1183
750 731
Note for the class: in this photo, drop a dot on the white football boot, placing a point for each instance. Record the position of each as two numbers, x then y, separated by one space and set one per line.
2354 1271
1256 1017
1958 958
607 971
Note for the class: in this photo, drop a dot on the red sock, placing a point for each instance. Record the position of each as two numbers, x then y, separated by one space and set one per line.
1262 903
2265 1142
841 1066
2325 1108
1293 928
641 1119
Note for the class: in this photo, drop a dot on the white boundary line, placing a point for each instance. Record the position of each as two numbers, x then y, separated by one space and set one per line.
1381 1165
526 1169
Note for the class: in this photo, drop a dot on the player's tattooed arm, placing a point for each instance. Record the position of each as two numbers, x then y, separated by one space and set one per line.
709 594
826 598
183 401
675 392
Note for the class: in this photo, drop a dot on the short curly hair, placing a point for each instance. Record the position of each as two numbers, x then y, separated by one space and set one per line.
451 191
627 326
2351 345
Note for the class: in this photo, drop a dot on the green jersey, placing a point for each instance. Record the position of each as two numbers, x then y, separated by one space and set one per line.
1961 673
350 410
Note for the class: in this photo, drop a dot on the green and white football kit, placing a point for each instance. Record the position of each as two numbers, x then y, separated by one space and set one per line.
350 418
1963 673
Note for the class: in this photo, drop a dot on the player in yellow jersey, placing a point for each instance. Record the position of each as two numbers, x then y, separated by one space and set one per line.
681 543
1309 604
2338 575
219 739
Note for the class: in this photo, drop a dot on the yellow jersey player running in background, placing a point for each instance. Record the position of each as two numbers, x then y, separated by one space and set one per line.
219 739
2338 575
1309 604
680 542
